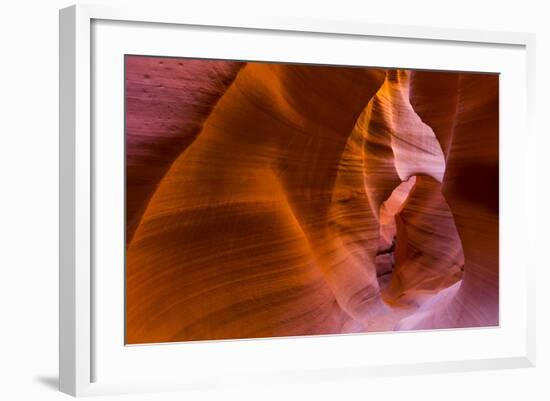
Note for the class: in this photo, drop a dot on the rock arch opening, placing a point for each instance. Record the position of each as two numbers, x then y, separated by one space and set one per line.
419 249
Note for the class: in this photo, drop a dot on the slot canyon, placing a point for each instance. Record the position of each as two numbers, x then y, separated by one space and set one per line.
275 199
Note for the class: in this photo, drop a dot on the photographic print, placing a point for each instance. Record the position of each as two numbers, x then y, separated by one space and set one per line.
277 199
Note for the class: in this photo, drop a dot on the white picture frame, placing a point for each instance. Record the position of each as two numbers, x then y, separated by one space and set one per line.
78 164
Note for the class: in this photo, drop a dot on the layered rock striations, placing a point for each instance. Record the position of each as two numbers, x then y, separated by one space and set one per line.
270 200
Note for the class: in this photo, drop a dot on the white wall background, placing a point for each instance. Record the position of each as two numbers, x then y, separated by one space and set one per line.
29 198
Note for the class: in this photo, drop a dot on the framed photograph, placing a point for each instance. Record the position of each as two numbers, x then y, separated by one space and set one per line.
271 200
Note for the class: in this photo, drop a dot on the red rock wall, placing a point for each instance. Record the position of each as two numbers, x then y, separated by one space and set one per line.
256 199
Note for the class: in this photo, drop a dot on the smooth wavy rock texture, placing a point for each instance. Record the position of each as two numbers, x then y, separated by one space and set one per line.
273 199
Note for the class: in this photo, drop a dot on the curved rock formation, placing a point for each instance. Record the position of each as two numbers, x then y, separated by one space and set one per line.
259 200
471 187
167 101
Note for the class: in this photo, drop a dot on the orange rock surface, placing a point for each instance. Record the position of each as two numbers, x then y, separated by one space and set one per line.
270 200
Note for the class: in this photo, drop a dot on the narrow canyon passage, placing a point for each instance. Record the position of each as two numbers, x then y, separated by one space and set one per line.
272 200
